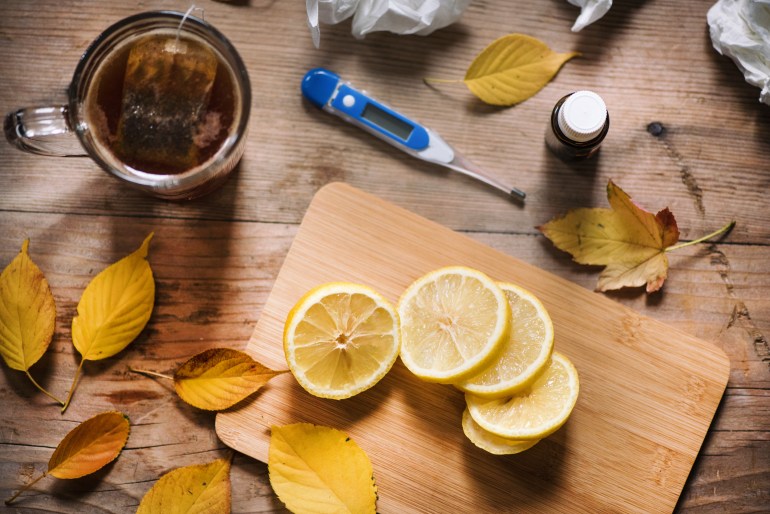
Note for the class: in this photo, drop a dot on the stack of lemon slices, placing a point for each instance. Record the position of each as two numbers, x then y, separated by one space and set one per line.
455 325
495 342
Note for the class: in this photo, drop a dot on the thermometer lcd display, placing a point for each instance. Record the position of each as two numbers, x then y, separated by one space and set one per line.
387 121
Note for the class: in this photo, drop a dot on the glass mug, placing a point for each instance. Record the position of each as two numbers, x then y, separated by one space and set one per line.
160 100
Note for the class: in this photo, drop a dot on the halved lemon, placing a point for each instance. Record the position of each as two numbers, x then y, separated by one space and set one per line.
454 321
340 339
491 442
524 355
534 412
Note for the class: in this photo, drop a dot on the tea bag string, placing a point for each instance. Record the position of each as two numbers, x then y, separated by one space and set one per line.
184 19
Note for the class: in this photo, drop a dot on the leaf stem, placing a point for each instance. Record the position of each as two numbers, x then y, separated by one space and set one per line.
43 390
721 231
74 383
151 373
429 80
9 500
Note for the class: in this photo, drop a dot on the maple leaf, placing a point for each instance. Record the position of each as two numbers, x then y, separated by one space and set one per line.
631 242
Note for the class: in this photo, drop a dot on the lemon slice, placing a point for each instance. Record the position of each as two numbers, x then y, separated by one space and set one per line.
534 412
454 320
340 339
524 355
491 442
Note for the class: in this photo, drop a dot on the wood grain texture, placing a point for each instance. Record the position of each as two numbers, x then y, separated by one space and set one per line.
648 392
651 61
216 259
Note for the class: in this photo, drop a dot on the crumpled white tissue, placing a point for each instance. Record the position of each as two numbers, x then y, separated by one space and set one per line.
740 30
419 17
590 11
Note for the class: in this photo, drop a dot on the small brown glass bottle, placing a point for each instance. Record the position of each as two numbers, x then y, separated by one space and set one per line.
579 123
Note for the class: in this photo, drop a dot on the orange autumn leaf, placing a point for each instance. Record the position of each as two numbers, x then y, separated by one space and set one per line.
197 489
87 448
219 378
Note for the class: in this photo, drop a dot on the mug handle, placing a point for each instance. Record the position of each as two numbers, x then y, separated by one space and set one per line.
43 131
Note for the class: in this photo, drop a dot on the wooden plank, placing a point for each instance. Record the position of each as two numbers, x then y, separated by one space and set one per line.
652 62
648 392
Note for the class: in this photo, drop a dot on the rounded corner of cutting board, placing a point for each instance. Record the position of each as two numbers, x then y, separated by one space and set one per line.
333 188
223 431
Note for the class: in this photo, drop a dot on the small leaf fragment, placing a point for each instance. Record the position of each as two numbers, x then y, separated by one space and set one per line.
198 489
90 446
27 312
320 469
512 69
115 306
218 378
630 241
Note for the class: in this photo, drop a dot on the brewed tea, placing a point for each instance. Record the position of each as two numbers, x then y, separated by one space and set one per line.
162 104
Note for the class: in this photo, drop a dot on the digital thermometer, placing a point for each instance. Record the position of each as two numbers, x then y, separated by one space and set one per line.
326 90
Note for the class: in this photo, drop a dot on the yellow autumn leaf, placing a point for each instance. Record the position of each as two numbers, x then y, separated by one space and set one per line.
87 448
219 378
631 242
27 314
315 469
114 308
512 69
198 489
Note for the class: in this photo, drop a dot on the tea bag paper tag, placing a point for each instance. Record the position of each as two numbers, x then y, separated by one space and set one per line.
175 46
740 30
590 11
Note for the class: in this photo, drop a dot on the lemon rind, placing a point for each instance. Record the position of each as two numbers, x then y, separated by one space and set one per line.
483 439
543 430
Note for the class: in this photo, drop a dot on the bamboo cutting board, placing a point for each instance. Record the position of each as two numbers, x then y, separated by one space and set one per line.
648 391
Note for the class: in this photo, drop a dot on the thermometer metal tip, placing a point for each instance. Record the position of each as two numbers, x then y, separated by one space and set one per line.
462 165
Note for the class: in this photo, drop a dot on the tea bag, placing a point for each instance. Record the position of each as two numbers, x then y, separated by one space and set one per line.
166 92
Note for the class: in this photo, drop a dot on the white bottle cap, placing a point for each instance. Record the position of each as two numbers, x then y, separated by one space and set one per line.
582 116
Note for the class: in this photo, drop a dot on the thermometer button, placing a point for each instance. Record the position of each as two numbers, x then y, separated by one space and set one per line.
348 101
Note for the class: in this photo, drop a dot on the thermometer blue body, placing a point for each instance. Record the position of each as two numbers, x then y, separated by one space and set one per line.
326 90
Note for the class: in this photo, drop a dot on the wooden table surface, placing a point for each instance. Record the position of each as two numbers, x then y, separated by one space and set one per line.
215 259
